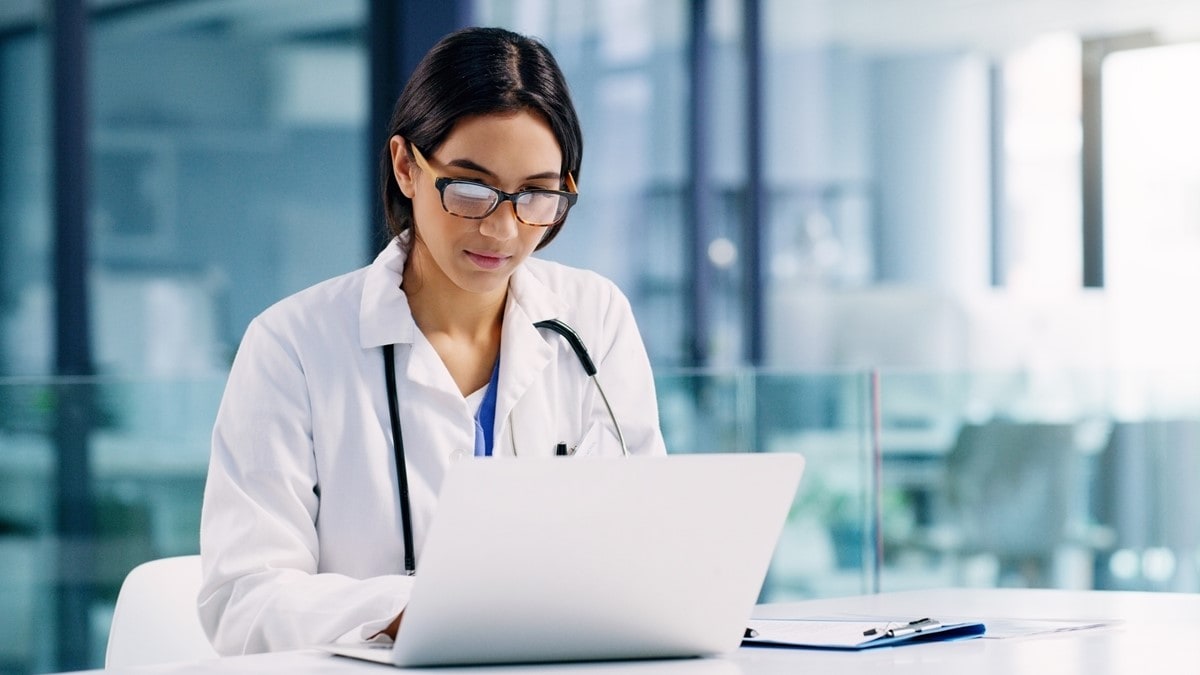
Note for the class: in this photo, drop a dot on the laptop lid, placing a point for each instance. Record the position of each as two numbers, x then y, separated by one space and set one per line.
555 559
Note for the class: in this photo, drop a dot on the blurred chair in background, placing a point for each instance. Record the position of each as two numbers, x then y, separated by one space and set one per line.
1016 495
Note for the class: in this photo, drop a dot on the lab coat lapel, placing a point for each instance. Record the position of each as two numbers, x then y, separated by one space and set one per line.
385 318
383 314
525 354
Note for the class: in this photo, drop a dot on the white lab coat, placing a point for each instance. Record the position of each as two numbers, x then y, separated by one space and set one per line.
300 534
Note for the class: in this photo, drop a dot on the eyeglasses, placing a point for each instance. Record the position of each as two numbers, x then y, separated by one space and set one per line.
469 199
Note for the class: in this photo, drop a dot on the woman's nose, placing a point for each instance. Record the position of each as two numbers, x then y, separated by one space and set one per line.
502 223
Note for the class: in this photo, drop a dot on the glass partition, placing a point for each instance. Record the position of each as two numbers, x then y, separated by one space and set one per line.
96 476
1050 479
1059 480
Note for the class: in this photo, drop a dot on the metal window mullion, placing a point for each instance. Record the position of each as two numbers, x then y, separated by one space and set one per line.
697 227
754 231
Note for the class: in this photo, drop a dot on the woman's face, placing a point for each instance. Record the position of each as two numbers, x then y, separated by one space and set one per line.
511 153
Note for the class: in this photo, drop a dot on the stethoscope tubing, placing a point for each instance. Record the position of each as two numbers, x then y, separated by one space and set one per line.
589 367
389 366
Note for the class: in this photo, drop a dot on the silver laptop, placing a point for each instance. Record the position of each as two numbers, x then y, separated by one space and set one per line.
578 559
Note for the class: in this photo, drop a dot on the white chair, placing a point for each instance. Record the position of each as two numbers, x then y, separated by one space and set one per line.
155 619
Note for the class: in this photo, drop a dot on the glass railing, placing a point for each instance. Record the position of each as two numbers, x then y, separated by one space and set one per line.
96 476
1050 479
913 480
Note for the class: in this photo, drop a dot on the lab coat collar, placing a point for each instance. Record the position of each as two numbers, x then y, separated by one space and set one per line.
384 317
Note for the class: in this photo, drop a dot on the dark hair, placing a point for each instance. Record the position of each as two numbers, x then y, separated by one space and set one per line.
478 71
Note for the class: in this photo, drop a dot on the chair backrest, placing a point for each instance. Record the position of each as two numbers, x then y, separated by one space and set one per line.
155 620
1016 487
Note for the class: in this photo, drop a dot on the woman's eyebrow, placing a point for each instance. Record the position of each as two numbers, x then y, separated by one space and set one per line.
472 166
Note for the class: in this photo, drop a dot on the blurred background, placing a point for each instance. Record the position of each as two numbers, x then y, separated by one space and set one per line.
944 248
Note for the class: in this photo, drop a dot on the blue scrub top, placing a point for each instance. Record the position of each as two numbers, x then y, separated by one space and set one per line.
485 417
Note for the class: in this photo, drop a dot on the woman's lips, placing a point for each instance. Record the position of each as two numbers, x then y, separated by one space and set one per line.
487 261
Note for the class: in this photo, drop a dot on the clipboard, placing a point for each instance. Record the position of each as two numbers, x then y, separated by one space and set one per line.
855 635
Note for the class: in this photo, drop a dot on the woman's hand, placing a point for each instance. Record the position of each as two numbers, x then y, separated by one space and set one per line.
391 629
394 626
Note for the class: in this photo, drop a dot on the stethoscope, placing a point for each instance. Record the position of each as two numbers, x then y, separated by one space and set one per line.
389 371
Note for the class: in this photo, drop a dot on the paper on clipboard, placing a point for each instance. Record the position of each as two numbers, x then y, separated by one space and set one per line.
998 628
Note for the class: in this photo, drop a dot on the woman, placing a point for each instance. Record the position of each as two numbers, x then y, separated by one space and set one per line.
303 532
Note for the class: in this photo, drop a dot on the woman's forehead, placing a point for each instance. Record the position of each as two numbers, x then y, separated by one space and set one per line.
520 142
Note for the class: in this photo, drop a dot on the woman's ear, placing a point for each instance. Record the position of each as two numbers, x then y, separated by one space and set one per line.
403 167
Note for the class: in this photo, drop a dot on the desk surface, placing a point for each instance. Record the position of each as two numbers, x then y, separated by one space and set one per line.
1155 633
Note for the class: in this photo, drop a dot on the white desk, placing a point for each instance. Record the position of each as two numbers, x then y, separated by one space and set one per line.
1158 633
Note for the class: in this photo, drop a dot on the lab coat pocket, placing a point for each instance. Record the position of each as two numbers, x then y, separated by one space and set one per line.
598 441
588 446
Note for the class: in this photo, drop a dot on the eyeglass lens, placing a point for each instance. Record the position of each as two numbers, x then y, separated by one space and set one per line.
472 200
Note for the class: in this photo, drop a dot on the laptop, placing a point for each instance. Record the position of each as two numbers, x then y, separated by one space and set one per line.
580 559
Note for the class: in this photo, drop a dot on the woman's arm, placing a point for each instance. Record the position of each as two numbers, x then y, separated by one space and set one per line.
261 589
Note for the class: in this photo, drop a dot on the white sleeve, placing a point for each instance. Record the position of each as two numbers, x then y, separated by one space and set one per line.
623 369
261 589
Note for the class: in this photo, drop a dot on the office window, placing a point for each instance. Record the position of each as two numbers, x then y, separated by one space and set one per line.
1042 220
229 171
25 324
25 210
625 63
1152 220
